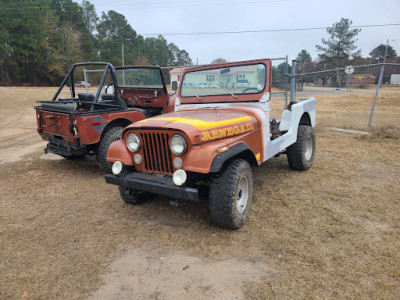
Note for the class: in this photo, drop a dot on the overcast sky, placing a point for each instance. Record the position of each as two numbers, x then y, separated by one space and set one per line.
180 16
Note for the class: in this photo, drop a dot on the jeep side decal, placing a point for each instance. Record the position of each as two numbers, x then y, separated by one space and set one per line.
226 132
199 124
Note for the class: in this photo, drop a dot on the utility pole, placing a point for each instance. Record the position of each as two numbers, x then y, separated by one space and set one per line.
387 44
386 50
123 58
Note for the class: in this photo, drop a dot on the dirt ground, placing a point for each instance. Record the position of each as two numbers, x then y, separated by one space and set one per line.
332 232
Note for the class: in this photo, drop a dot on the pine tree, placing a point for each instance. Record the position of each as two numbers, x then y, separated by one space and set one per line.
378 53
338 49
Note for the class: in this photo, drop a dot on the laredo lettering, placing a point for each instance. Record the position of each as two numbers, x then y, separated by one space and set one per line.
226 132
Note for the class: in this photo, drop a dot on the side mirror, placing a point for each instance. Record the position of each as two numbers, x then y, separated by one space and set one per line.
174 85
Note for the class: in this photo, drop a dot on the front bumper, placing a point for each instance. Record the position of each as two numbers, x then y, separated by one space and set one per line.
156 184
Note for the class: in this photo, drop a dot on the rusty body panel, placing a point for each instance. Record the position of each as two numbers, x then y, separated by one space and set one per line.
88 127
78 125
144 98
90 130
202 125
207 130
55 123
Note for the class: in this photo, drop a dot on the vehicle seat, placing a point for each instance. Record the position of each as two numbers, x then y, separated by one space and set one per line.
85 98
107 97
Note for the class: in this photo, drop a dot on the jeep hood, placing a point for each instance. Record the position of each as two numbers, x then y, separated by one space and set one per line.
202 125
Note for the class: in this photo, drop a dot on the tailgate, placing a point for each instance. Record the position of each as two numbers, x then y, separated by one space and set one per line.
53 123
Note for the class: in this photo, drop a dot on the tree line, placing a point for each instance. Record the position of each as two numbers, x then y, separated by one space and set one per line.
338 51
41 39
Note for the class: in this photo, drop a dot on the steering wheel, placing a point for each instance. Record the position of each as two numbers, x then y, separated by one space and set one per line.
248 89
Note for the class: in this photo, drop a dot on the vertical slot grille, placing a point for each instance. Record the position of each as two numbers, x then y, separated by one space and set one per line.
156 152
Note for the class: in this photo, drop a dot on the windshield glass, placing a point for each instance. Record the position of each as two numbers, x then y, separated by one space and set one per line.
139 78
236 80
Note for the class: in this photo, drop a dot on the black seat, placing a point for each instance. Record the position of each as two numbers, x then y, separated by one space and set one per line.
107 96
64 107
85 98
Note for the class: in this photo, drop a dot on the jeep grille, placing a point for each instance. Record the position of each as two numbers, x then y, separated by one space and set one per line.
156 152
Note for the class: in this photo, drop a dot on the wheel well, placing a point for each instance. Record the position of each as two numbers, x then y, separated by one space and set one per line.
247 155
305 119
116 122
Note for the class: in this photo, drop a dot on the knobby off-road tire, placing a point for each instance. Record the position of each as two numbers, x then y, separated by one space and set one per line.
231 195
111 135
131 196
301 154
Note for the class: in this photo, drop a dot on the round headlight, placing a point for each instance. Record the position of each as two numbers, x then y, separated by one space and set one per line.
179 177
137 159
116 167
178 144
133 142
177 162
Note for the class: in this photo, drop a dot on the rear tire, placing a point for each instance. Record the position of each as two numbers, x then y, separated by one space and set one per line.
231 195
111 135
301 154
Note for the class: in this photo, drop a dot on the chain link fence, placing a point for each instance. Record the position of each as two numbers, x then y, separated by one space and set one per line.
293 81
365 79
350 79
92 77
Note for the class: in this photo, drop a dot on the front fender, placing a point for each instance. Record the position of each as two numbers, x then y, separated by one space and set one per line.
221 158
119 151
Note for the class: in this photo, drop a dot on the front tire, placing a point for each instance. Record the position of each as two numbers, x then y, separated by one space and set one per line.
231 195
131 196
301 154
111 135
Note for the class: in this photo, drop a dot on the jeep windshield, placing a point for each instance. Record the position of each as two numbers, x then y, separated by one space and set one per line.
232 81
139 78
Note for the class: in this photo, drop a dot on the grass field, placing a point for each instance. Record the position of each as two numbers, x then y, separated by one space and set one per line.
332 232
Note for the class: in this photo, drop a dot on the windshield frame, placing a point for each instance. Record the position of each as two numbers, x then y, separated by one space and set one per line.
143 68
229 96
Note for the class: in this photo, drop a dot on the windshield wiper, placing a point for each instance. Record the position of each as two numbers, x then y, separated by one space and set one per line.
197 96
233 95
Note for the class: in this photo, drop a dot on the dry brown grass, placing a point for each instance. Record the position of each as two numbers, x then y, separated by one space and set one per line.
331 232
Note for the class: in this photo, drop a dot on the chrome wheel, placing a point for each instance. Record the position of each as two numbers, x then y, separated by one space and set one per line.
242 195
309 148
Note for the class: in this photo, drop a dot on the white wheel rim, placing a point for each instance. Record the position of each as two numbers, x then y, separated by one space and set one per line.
309 148
242 195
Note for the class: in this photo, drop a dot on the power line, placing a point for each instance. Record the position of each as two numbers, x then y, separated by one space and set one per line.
169 4
223 32
262 30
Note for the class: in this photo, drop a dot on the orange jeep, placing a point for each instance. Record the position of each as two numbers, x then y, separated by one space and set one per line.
213 138
91 114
